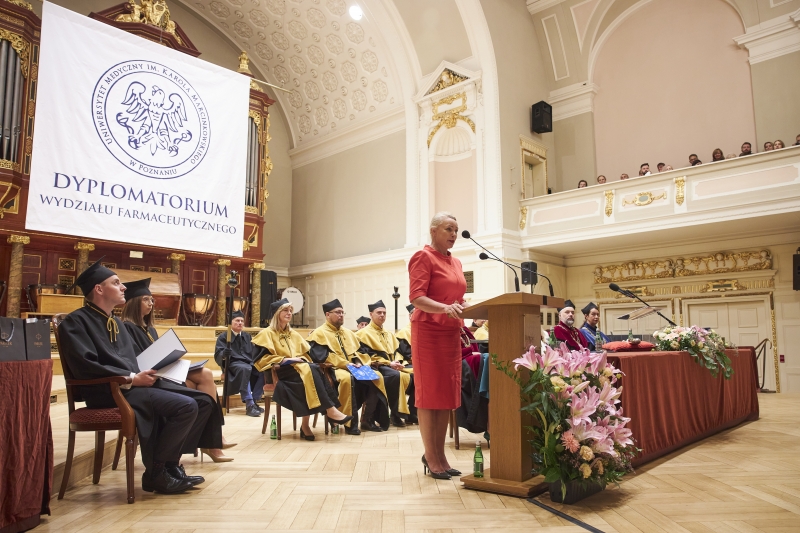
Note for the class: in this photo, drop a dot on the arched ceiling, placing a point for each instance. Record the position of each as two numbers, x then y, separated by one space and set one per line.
336 67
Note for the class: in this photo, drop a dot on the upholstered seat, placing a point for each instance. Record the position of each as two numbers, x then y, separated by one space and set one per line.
85 416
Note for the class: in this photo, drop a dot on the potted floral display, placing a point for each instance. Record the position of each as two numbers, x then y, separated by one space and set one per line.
578 434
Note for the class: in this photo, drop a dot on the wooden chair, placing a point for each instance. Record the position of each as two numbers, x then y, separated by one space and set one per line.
269 390
121 418
454 428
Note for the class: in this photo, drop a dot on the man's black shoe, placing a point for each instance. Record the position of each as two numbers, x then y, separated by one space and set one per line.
352 430
179 473
253 410
370 426
161 481
260 409
412 420
397 421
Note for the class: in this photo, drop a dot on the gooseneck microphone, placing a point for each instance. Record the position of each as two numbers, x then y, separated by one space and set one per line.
616 288
549 283
484 257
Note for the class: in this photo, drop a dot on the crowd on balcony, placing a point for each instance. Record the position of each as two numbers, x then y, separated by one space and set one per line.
694 160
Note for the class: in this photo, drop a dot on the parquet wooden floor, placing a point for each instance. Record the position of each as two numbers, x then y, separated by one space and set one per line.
743 480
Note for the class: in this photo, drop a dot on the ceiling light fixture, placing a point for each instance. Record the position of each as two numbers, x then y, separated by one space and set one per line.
355 12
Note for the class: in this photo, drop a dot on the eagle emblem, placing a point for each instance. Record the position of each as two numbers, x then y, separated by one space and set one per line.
160 119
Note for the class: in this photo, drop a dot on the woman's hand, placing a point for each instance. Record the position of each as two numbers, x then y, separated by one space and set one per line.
453 310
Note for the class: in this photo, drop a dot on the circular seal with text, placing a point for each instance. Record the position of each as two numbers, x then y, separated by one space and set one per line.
151 119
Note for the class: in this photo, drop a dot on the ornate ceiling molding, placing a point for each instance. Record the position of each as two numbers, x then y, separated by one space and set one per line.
337 69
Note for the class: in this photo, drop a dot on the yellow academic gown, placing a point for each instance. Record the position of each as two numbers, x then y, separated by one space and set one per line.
343 348
287 345
404 351
482 333
383 346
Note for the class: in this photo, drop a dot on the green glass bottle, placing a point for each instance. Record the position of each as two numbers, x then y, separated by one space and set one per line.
334 429
273 429
598 341
477 461
630 335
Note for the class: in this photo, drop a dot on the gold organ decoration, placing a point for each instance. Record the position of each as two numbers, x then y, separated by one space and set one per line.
717 263
609 203
252 238
22 4
9 196
22 47
449 117
152 12
680 190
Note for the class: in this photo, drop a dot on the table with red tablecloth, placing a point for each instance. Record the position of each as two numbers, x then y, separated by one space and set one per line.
26 443
673 401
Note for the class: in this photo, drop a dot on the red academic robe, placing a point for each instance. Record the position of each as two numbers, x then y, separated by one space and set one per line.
571 336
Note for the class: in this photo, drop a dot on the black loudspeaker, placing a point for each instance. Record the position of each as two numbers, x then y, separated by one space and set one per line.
529 275
796 271
269 293
542 117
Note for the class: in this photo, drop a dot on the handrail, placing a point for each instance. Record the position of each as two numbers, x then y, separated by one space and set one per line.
761 352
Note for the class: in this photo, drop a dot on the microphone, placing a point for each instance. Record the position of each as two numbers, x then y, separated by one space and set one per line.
616 288
484 257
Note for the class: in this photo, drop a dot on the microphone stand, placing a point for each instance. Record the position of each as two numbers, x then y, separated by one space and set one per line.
483 256
630 294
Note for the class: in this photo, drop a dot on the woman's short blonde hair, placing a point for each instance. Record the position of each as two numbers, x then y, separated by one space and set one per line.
273 322
440 218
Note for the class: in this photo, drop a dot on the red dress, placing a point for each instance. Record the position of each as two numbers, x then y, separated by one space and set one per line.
436 338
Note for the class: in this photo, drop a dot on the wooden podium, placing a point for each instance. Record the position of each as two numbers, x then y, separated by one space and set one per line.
515 325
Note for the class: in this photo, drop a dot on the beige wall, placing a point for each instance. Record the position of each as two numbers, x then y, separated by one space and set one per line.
350 203
574 152
436 30
776 86
522 82
672 88
455 189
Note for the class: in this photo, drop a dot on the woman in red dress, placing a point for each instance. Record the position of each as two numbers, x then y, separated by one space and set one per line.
436 289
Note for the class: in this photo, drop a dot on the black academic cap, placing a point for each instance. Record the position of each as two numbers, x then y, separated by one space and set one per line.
376 305
94 275
237 314
274 306
140 287
363 319
588 309
568 303
330 306
410 308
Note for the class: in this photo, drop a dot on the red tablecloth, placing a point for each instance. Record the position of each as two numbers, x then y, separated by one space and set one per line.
26 443
673 401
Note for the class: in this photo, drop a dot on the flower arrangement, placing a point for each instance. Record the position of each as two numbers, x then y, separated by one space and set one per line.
578 431
705 346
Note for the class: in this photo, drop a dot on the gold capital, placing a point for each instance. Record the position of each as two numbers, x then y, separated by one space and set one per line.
257 266
21 239
223 262
84 246
176 257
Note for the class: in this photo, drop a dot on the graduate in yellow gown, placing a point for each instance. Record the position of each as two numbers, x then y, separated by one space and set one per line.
482 333
302 386
404 340
382 347
333 343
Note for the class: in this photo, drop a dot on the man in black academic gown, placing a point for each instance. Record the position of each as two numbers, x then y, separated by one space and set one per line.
242 376
170 419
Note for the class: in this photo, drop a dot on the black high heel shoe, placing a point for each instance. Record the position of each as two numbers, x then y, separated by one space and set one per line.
434 475
341 422
306 437
453 472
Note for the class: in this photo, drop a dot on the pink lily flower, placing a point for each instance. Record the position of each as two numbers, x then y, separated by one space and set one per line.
586 431
582 406
528 360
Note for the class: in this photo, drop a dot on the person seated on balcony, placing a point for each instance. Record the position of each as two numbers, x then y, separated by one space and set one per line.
768 147
582 184
601 179
692 159
241 375
697 162
797 139
303 387
731 156
777 145
565 330
334 344
137 317
404 339
170 419
667 168
644 169
717 155
482 333
660 167
624 176
362 322
591 326
747 149
382 347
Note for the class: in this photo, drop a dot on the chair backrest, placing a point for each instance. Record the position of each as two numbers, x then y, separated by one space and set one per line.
73 393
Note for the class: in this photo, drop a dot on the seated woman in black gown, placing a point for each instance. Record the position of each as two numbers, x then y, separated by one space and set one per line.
302 387
137 317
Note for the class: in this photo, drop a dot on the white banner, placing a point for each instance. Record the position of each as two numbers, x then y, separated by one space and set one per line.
136 142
